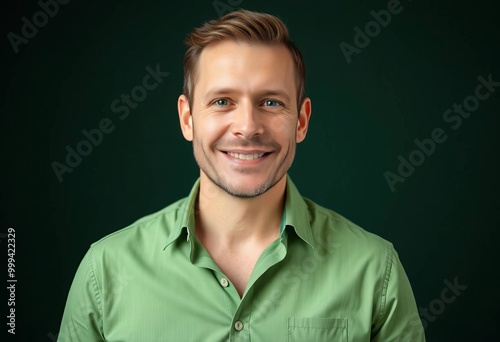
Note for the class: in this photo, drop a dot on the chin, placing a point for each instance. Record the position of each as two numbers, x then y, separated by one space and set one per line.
247 189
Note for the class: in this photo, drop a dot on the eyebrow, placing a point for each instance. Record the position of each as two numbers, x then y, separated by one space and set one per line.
224 91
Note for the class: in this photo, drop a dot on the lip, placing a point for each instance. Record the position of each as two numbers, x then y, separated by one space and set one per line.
245 151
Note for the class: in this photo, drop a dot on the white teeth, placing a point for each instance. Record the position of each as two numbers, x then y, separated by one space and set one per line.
245 156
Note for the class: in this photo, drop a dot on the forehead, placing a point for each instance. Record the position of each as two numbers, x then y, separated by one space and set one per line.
245 66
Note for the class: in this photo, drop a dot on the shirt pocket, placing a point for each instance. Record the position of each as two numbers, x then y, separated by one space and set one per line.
317 329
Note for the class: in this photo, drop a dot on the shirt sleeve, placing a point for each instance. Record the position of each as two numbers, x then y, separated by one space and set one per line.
82 318
398 318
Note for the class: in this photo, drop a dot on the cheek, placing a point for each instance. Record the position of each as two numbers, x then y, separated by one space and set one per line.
208 130
278 125
282 128
213 127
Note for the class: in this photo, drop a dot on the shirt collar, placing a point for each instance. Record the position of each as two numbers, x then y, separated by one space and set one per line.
185 220
295 215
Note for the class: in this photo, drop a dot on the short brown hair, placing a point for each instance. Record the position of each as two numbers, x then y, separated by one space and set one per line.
240 26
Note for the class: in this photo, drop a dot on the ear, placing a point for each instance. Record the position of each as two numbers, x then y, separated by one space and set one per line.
185 117
303 122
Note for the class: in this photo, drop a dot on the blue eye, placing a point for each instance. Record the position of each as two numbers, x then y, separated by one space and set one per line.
221 102
271 103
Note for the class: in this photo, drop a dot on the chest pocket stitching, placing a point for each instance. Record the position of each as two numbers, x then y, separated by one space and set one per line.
300 329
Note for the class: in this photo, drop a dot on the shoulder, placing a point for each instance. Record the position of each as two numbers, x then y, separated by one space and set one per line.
152 229
346 236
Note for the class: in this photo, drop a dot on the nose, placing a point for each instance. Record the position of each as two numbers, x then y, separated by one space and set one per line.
246 121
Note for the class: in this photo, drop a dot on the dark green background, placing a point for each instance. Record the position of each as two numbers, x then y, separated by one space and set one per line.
443 219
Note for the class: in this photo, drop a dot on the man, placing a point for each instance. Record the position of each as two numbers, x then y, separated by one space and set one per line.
244 257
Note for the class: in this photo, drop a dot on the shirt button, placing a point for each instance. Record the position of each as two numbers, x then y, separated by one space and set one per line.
238 325
224 282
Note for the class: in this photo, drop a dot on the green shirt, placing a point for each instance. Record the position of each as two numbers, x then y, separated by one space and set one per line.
323 279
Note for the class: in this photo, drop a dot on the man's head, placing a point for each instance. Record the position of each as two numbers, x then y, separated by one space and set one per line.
242 26
244 104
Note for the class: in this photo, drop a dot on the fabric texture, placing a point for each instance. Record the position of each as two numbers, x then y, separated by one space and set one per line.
323 279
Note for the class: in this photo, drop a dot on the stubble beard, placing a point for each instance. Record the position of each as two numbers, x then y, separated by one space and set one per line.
205 165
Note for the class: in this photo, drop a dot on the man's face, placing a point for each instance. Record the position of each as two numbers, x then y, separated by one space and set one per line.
244 121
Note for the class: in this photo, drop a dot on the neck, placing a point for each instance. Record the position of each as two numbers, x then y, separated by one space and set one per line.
233 221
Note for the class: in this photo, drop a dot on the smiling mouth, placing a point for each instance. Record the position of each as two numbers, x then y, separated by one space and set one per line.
247 156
